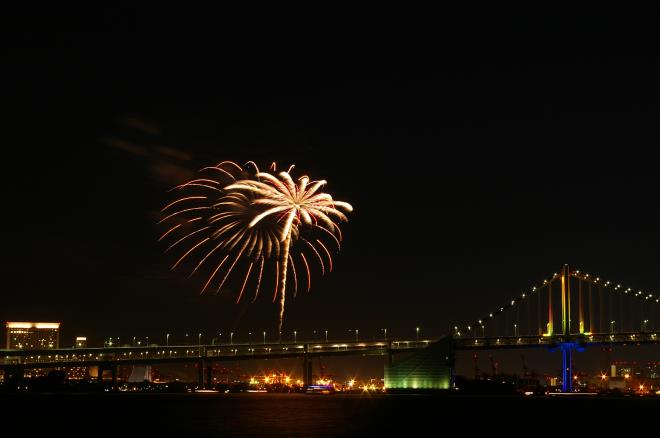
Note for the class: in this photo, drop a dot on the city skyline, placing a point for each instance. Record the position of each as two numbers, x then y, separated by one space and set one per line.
512 158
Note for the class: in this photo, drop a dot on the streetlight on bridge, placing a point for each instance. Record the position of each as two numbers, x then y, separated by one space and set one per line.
417 330
295 336
167 339
326 336
385 332
231 338
356 334
644 325
515 330
199 339
612 326
264 337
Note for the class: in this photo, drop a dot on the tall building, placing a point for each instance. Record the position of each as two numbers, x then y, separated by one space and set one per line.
33 335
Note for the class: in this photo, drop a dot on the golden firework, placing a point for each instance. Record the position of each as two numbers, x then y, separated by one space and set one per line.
236 213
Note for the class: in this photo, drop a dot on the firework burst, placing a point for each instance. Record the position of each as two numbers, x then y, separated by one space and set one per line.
267 222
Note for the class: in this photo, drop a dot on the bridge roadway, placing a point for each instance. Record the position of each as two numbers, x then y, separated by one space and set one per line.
587 339
14 362
76 357
130 355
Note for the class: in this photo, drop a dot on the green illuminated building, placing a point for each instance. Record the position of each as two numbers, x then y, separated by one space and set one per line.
430 368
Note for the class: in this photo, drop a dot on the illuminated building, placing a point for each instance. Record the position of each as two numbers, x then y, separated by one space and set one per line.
81 342
76 373
33 335
650 370
430 368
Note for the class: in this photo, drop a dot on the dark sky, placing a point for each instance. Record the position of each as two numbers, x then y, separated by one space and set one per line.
479 159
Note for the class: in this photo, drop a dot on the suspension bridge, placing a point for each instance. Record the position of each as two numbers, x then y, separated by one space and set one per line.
568 311
571 310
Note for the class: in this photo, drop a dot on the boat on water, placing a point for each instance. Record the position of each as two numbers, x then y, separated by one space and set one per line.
320 389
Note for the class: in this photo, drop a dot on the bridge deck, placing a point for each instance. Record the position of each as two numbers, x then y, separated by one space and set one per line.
193 353
634 338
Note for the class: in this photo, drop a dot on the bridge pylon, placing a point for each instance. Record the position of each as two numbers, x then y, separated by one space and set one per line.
307 367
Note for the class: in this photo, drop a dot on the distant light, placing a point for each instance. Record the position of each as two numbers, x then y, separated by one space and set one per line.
19 325
47 325
39 325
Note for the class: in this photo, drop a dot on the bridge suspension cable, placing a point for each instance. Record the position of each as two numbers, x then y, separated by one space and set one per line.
587 322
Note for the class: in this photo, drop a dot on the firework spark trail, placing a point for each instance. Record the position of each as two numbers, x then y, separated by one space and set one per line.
169 231
244 283
284 265
261 271
247 214
309 276
213 275
318 256
327 253
295 277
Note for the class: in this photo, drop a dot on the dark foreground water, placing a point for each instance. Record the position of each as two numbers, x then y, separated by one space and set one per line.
191 415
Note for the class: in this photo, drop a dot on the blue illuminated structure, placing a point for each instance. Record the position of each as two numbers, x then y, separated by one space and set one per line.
567 364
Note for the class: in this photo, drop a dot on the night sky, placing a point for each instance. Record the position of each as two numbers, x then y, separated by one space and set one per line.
478 159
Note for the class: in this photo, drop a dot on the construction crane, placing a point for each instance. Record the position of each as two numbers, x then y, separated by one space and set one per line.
493 365
524 365
475 358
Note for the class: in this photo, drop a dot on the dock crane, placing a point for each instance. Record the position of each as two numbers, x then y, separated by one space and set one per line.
475 358
524 365
493 365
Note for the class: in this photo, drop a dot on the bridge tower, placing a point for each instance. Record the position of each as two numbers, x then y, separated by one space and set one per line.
566 301
568 344
307 367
